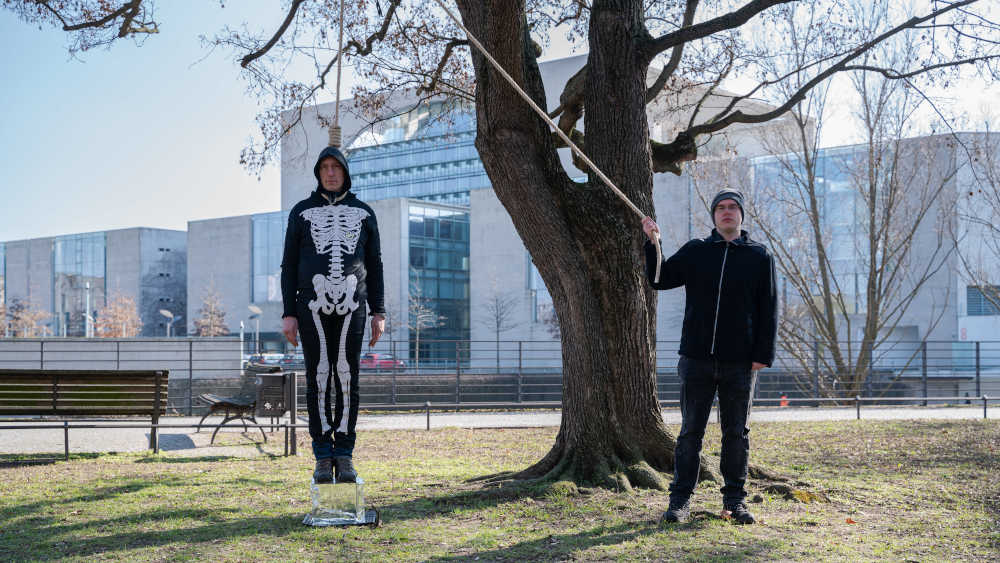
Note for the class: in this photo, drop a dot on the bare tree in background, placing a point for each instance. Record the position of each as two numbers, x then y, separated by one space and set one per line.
119 318
25 318
499 313
857 235
421 315
586 243
211 319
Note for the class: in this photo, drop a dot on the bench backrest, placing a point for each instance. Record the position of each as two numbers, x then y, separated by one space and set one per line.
82 392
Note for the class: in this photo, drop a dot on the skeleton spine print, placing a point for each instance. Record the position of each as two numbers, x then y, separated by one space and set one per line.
335 229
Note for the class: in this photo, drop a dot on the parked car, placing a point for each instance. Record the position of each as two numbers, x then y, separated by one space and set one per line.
381 361
293 360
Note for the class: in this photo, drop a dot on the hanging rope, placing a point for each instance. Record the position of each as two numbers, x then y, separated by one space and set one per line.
607 181
335 132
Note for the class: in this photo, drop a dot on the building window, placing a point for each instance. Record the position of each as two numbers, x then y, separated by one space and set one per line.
439 270
267 246
982 300
78 279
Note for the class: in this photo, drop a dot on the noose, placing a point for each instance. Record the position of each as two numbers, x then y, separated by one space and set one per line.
607 181
335 132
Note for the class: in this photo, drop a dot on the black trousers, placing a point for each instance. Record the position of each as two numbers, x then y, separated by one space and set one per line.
331 346
700 380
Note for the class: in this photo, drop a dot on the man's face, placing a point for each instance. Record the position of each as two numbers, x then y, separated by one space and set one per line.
331 174
727 215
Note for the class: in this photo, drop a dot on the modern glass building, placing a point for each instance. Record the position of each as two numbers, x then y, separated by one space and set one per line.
79 282
268 232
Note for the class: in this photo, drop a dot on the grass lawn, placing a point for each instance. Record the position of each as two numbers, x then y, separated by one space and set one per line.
899 491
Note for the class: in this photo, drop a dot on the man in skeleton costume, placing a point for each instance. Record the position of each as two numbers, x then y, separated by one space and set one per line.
332 265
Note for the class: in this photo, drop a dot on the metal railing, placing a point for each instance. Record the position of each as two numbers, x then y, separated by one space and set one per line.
518 372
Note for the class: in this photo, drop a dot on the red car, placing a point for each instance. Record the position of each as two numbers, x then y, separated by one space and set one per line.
381 361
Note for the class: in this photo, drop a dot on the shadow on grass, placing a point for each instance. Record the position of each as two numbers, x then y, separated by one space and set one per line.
195 459
100 536
567 546
16 460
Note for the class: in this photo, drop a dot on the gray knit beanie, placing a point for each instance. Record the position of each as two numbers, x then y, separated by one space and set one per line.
728 194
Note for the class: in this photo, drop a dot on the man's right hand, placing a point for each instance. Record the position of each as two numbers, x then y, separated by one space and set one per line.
651 229
290 328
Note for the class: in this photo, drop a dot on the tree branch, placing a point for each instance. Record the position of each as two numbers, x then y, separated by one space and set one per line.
704 29
675 55
440 67
718 122
277 35
378 35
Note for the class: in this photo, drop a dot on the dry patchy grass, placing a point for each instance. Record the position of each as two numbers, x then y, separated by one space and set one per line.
915 490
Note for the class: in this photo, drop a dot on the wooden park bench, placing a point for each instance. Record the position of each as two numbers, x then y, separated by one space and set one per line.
49 392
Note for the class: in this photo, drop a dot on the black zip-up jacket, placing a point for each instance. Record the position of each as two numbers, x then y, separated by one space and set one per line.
332 253
731 309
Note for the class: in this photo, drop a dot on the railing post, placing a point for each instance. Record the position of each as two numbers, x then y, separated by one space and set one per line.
191 375
427 406
979 390
118 355
66 438
923 368
458 373
816 371
857 405
520 350
41 354
985 399
293 410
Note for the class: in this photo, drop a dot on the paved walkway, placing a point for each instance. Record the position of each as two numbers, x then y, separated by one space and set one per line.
186 440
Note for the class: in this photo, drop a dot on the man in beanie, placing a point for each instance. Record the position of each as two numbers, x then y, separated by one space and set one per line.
331 267
730 322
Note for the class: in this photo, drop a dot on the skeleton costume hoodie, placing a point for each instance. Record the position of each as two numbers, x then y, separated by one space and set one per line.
332 254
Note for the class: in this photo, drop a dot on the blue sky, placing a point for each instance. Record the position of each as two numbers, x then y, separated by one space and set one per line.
139 136
131 136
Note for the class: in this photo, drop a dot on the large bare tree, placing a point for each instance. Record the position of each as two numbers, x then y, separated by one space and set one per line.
586 243
858 234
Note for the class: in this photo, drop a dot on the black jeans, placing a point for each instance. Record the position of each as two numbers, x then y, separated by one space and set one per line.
700 379
331 347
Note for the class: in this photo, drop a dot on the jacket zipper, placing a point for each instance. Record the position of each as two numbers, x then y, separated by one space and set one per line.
718 297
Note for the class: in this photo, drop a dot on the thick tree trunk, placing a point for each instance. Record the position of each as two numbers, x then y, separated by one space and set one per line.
585 242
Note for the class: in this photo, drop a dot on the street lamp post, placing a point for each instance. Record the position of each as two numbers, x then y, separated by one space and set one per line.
86 315
170 319
257 312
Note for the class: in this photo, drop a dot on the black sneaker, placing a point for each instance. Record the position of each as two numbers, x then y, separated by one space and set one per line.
345 469
739 514
679 511
324 471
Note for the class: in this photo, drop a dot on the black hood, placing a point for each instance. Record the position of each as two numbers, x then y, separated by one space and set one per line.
335 153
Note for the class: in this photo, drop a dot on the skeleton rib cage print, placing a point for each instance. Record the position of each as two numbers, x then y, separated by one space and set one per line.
335 229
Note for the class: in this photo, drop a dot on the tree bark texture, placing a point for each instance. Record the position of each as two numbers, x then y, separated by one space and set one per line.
586 243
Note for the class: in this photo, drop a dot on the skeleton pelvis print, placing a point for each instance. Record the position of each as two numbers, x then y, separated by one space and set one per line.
335 230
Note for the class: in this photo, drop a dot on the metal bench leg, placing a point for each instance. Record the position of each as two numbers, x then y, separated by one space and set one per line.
219 427
259 427
202 420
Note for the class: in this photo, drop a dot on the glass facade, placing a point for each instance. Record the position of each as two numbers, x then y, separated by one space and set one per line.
840 211
267 246
3 273
424 154
78 279
439 274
